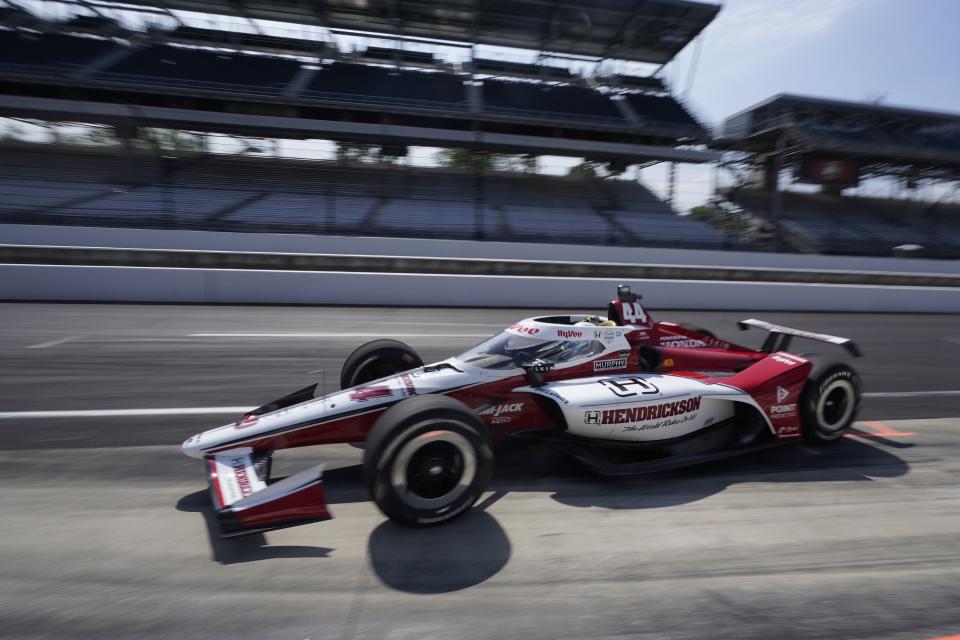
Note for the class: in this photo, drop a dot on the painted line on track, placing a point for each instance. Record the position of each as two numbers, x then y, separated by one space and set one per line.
339 335
121 413
911 394
880 430
54 343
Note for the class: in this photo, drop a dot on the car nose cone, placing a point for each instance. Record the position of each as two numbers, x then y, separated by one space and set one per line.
191 447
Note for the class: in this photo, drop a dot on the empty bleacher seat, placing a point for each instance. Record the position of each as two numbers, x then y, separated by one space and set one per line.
163 64
344 81
390 55
660 109
856 225
571 102
50 50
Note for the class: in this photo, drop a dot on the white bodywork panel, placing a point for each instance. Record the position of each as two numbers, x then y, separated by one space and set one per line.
369 396
641 407
234 476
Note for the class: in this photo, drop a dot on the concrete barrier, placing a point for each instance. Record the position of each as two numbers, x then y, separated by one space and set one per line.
155 284
262 261
188 267
24 234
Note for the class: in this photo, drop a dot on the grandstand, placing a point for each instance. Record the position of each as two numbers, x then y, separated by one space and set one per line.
834 147
204 79
236 193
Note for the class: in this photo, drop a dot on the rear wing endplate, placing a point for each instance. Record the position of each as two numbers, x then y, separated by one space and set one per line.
780 337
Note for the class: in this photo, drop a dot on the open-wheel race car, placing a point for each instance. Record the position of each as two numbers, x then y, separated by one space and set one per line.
621 394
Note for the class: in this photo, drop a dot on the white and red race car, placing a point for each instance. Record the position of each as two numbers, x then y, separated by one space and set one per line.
622 394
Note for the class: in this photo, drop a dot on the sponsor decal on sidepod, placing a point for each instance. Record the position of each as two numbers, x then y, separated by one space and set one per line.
680 341
497 412
781 410
640 414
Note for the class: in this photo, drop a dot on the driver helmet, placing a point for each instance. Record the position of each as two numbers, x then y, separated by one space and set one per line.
595 321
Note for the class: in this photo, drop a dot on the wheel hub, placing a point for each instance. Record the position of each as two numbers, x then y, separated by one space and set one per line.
433 469
836 405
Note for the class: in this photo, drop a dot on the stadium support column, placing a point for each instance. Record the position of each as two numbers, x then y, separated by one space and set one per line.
671 184
776 197
167 206
479 161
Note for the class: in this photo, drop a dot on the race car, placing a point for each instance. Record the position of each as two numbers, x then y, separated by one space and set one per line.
620 393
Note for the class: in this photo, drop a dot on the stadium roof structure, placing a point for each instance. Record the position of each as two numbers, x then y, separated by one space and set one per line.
65 77
652 31
883 139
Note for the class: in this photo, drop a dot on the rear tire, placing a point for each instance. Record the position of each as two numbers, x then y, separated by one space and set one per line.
428 459
377 359
829 402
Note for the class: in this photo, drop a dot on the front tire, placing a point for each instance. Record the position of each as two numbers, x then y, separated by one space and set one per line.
428 459
829 402
377 359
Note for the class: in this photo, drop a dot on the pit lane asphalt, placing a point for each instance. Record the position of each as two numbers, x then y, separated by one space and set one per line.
106 525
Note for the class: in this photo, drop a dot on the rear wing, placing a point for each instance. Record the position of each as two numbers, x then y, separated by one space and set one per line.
780 337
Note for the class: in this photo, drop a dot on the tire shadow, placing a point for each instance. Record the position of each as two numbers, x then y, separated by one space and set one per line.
451 557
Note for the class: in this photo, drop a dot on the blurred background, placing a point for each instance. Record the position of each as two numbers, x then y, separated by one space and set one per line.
516 121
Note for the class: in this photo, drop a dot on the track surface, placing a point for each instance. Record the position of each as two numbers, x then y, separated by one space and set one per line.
106 525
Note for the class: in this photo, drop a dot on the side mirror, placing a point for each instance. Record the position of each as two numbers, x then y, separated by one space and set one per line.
535 370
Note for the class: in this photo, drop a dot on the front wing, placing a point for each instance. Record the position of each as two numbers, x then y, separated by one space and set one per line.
247 501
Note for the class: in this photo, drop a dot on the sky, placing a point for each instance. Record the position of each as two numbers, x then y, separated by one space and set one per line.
906 52
900 52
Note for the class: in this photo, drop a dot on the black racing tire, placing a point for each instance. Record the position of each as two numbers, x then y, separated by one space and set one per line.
377 359
428 459
829 401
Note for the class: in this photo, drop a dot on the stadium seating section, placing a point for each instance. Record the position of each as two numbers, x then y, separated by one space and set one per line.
933 136
866 226
217 38
518 97
178 67
65 53
162 64
252 194
662 110
382 83
488 66
392 55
